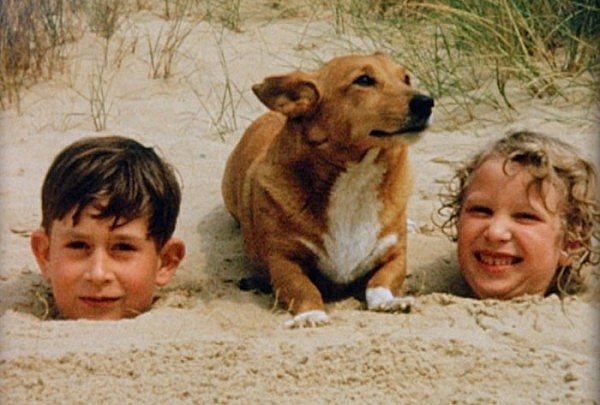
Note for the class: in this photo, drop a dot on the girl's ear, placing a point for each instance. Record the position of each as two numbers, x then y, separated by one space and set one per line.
171 254
566 254
564 259
40 246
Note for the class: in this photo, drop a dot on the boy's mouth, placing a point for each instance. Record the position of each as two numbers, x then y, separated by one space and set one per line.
99 301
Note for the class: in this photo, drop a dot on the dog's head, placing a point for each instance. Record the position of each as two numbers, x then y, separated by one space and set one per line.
352 99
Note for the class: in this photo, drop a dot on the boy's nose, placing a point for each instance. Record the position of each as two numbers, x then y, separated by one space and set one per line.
98 271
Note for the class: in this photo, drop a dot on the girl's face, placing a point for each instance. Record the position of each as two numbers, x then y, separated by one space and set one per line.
509 242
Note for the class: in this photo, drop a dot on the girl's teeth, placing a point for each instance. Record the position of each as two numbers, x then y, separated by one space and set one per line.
496 261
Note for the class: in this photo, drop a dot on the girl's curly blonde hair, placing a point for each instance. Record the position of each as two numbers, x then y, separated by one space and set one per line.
547 159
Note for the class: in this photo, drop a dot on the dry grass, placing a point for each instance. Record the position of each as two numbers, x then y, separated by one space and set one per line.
163 49
220 104
467 52
474 52
32 36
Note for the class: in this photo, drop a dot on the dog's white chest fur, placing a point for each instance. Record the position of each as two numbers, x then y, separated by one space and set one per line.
351 244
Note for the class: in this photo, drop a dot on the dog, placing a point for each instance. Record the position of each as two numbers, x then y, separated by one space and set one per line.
320 183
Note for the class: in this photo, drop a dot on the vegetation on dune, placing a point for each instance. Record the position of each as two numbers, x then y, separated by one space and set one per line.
473 51
470 52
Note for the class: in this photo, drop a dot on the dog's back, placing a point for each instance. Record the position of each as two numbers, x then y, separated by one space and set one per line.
248 151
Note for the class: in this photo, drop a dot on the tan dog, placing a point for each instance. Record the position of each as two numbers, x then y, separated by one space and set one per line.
320 184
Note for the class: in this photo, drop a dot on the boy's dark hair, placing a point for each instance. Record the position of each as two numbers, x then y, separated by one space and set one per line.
131 179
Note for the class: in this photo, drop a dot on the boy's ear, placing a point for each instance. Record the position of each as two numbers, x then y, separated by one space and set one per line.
171 254
40 246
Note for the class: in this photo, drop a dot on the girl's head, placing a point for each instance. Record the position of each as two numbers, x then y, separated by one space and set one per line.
525 215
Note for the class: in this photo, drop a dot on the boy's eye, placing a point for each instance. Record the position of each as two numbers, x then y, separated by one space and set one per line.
77 245
124 247
365 80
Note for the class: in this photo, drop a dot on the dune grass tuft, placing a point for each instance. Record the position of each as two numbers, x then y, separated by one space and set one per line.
470 53
475 52
32 35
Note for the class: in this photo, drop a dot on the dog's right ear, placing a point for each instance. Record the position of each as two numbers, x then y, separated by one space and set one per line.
294 95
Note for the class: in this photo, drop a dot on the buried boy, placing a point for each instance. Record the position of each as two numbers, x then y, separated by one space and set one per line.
109 210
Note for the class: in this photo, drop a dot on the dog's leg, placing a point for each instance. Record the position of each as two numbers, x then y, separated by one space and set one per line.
388 278
295 289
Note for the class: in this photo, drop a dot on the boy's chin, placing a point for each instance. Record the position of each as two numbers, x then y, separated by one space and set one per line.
98 315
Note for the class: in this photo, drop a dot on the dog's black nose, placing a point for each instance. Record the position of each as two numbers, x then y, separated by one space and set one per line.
421 105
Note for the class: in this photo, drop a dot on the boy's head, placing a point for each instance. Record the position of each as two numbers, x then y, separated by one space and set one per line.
556 183
109 210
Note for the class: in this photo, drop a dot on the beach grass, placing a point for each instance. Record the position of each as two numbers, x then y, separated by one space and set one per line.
474 52
468 52
32 35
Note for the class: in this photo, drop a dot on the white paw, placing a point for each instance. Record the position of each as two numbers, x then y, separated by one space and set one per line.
382 299
308 319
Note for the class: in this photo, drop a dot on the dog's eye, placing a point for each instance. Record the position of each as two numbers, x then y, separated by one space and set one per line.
364 80
407 79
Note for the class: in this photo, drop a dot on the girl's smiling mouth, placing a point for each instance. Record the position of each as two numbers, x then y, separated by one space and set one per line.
496 262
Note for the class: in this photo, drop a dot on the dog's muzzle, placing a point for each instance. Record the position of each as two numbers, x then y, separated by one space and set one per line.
420 107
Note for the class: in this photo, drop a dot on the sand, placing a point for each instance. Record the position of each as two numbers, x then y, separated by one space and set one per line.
204 340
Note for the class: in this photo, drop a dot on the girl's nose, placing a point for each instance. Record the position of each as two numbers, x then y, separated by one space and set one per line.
498 230
99 268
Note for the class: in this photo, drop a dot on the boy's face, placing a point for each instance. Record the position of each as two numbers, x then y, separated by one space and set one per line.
509 242
101 273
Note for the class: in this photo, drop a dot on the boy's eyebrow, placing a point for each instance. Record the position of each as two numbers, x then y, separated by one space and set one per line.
71 233
122 236
129 237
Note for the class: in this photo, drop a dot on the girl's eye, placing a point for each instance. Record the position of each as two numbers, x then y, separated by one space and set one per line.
365 80
479 210
527 216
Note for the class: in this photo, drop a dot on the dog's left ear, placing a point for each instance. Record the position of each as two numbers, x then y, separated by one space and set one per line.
294 95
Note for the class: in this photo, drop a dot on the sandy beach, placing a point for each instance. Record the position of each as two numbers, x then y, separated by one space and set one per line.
206 341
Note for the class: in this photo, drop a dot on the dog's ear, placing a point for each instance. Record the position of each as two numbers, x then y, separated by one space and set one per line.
294 95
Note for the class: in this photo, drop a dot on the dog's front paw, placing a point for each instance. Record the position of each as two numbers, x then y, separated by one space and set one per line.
382 299
308 319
